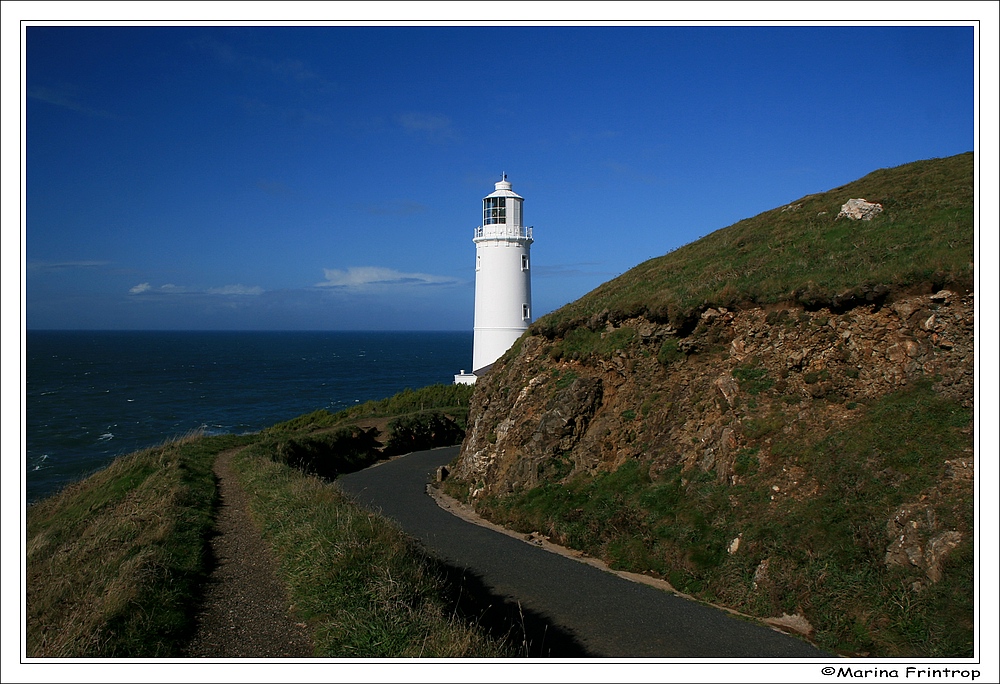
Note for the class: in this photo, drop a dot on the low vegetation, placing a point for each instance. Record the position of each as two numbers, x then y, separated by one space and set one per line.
803 253
328 444
116 563
362 585
447 400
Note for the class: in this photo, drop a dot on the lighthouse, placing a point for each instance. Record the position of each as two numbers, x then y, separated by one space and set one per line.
503 278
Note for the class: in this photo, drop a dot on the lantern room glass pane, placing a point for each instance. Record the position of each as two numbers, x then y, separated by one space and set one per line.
494 210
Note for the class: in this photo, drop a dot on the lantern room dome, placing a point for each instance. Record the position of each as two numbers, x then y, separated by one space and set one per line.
502 189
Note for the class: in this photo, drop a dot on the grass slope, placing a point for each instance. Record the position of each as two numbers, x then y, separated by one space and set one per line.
116 562
803 252
362 585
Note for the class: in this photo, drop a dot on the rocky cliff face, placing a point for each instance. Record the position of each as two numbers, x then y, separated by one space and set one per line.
697 406
635 389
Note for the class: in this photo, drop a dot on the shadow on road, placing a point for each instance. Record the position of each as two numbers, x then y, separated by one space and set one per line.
530 632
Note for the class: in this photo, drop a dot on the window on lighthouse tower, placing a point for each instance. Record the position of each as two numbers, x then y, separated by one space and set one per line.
524 262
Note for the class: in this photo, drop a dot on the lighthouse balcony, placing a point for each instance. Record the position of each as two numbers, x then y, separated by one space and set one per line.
502 230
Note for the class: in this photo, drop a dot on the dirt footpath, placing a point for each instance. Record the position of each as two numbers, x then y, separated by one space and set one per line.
246 611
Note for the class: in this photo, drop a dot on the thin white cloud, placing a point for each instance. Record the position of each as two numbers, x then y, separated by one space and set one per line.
298 114
241 290
64 265
285 68
64 98
364 277
171 289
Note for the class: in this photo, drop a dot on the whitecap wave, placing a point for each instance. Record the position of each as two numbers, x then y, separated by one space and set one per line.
105 437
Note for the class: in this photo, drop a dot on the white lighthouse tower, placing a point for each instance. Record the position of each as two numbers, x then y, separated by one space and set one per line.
503 278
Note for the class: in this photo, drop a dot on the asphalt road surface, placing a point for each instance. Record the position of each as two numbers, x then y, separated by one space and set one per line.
586 611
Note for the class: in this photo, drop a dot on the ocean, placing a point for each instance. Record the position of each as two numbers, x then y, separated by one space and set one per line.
92 396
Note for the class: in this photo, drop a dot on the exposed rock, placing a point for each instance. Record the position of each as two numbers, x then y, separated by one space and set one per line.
728 388
794 623
960 469
535 419
905 308
860 209
760 574
569 412
942 297
821 360
916 541
938 547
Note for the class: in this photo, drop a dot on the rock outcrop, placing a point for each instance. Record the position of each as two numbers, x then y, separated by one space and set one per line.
860 209
533 413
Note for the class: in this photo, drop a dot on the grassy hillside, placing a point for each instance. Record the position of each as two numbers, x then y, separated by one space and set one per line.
802 252
113 561
116 562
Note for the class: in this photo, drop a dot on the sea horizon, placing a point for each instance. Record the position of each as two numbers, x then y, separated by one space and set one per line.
93 395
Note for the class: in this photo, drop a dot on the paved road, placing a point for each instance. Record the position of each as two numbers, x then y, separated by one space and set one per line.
599 613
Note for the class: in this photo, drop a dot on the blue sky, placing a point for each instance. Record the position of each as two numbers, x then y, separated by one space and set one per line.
331 177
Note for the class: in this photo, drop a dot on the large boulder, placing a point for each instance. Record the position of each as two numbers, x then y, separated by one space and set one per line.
860 209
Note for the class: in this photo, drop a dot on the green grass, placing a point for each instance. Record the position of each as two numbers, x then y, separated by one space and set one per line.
923 236
452 400
670 352
753 379
824 549
583 343
363 586
113 561
116 563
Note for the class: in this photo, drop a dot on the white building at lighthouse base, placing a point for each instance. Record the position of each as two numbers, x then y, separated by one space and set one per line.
463 378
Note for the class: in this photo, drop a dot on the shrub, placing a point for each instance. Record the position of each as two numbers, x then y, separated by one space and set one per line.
329 455
422 431
670 352
746 462
753 379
